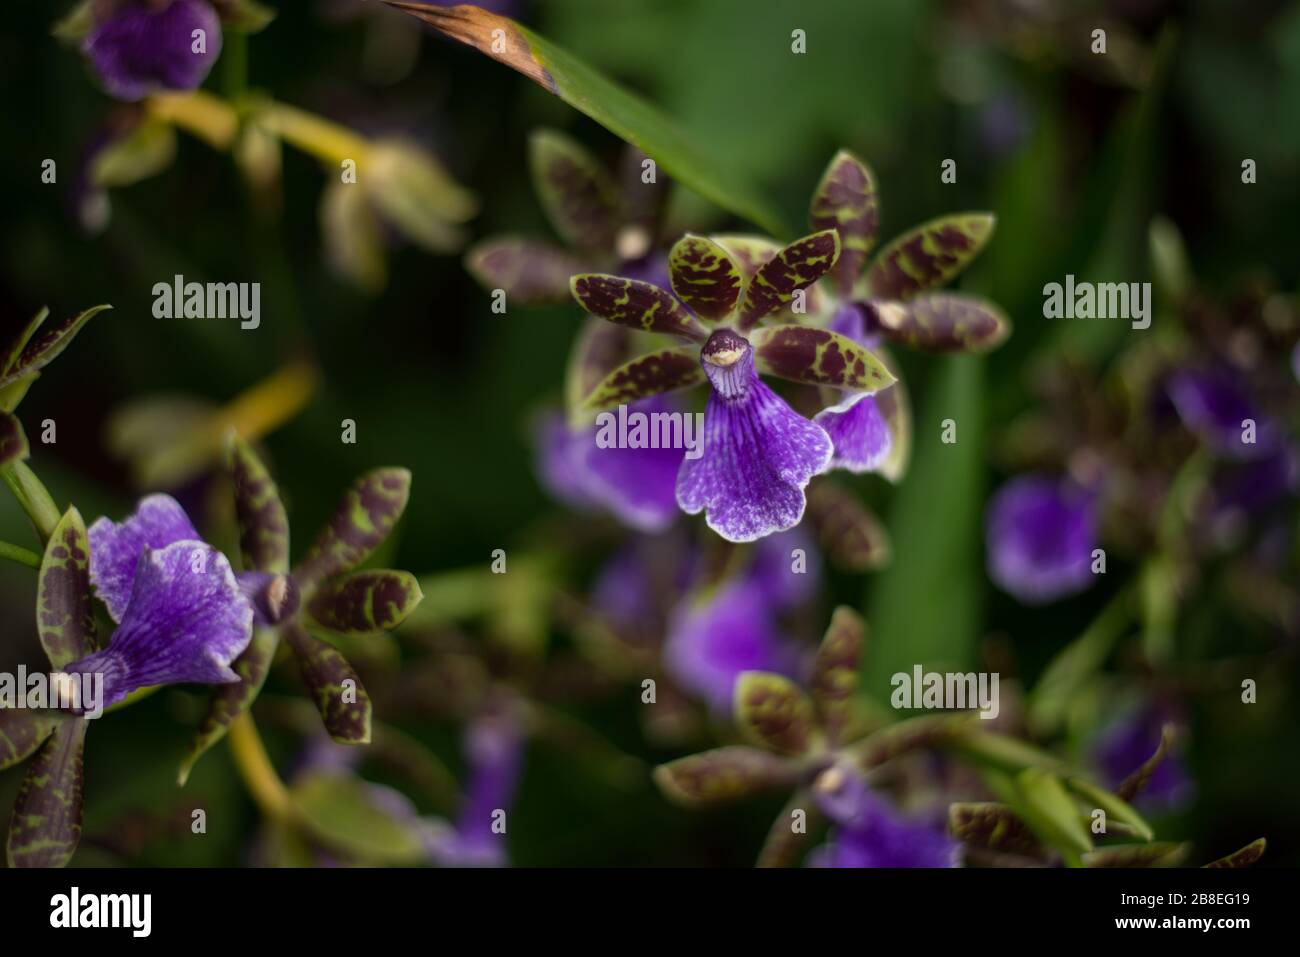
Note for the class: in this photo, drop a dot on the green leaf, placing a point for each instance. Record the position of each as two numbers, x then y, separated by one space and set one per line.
818 357
64 617
1159 854
794 267
627 116
263 523
13 441
1051 812
1245 857
360 524
365 602
845 200
928 255
835 671
1003 752
849 534
41 351
340 811
636 305
943 322
994 827
665 370
723 774
773 711
1116 808
145 151
22 731
46 824
228 701
340 698
704 276
579 196
531 273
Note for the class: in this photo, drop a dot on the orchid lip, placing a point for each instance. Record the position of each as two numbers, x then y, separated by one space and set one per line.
724 348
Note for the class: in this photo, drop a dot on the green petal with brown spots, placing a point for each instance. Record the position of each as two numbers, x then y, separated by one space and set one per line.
64 618
368 512
22 731
784 844
845 200
850 535
1159 854
704 276
994 827
943 322
749 252
365 602
228 701
340 698
636 305
579 196
835 670
818 357
929 255
772 711
598 350
45 348
46 824
263 524
13 441
530 273
665 370
793 268
1245 857
723 774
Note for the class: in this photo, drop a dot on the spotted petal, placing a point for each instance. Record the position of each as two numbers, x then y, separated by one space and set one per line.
22 731
635 304
818 357
722 775
579 196
43 349
929 255
46 825
835 673
340 697
368 512
851 536
795 267
13 441
665 370
531 273
845 200
365 602
263 524
598 350
773 711
942 322
116 549
704 276
64 618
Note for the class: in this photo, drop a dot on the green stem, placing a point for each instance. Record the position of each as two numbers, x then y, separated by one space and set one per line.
23 556
257 771
34 498
234 63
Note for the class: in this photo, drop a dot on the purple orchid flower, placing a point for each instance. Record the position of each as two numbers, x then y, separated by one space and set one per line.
1216 406
1040 537
494 751
139 47
183 614
869 832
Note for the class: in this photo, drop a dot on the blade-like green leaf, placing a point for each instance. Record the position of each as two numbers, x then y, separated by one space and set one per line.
263 524
45 348
818 357
636 305
46 824
13 441
229 701
629 117
773 711
845 200
704 276
340 698
22 731
579 196
368 512
835 671
1245 857
340 811
928 255
794 267
531 273
665 370
850 535
943 322
723 774
365 602
64 617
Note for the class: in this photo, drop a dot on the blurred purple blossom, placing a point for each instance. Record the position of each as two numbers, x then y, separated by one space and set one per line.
1040 534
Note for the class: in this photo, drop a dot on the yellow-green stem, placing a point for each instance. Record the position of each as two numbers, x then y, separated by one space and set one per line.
255 768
